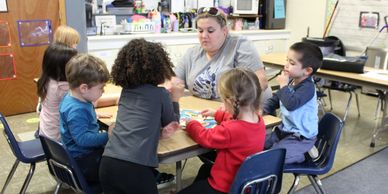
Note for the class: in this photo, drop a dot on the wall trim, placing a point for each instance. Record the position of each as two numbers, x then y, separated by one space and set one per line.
107 42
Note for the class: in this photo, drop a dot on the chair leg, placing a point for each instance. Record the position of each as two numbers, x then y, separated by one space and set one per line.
377 108
331 105
319 183
28 178
294 184
358 104
348 106
314 184
321 106
57 188
10 175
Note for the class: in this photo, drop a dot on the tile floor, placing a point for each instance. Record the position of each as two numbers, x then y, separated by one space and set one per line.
353 146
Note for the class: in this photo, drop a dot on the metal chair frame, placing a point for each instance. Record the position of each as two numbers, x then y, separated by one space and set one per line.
349 101
29 152
257 176
63 167
326 144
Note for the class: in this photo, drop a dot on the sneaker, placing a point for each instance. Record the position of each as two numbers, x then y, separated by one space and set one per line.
164 180
36 134
313 153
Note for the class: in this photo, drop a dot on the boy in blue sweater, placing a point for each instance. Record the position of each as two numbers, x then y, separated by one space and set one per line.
297 101
79 129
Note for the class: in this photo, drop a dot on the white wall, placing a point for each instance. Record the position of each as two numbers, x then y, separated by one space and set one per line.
106 47
346 24
302 14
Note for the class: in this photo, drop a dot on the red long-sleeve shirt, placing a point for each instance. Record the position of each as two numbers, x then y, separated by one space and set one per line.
234 140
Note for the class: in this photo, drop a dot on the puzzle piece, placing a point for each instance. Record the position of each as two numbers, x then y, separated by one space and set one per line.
187 114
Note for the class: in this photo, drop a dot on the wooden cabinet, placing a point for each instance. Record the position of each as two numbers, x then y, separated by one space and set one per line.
176 44
19 95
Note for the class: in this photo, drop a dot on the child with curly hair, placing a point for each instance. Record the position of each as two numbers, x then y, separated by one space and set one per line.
130 155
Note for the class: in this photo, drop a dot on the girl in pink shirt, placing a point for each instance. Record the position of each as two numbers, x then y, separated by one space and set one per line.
52 86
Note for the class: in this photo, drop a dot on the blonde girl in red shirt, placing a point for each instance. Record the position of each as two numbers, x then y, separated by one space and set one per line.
240 132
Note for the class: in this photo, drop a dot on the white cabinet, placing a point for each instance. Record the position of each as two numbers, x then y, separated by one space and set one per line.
176 44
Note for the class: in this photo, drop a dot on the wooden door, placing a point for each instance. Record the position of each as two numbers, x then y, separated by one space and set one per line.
18 95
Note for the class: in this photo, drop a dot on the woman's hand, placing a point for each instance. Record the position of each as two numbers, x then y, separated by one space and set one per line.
208 113
176 88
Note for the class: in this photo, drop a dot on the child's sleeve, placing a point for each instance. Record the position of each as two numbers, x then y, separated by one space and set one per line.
292 100
78 122
217 137
170 110
271 104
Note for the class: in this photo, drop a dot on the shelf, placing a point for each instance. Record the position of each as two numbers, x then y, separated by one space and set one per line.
243 16
96 43
121 14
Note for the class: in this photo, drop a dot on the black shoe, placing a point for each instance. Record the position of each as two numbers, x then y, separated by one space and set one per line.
164 180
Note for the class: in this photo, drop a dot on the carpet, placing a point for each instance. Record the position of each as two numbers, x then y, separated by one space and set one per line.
370 175
25 136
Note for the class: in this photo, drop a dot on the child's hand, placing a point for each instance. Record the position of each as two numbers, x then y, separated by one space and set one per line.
188 120
208 113
283 79
104 115
110 128
222 107
170 129
176 89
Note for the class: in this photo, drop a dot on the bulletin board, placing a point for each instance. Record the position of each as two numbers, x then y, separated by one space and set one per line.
34 32
355 23
7 66
5 36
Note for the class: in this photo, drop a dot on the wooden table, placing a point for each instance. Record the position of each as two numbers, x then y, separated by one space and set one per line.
180 146
277 61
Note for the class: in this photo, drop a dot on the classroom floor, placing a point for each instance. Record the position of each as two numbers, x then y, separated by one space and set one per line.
353 146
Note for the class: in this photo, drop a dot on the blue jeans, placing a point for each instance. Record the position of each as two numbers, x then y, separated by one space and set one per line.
296 146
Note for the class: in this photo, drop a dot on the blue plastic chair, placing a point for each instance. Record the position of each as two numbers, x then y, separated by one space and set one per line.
29 152
64 168
260 173
329 132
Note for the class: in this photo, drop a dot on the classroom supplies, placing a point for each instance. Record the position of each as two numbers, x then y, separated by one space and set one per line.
187 114
340 63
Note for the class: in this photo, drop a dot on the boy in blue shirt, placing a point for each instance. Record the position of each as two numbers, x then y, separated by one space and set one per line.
297 101
79 129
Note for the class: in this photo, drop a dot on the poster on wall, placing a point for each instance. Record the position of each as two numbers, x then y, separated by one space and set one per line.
369 19
7 66
3 6
5 37
34 32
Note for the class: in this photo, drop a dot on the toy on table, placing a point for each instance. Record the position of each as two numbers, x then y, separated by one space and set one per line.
187 114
